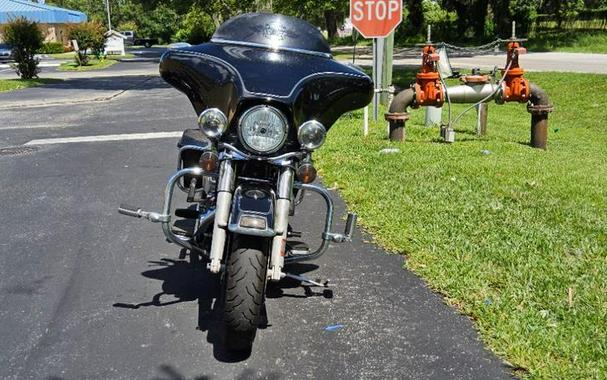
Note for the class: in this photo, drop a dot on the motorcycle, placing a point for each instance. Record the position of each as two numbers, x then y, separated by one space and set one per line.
266 90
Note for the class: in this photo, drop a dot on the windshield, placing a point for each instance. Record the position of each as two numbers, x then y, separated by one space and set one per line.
4 46
272 31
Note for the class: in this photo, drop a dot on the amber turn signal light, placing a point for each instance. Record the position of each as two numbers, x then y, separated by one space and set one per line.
306 173
208 161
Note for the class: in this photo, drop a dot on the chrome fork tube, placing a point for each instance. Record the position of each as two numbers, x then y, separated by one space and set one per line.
225 188
281 222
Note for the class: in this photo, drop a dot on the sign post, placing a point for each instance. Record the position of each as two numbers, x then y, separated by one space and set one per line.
377 19
378 58
386 79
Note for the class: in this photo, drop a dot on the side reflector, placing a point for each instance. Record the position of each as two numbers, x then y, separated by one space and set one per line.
306 173
208 161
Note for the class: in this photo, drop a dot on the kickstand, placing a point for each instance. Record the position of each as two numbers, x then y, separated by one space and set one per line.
319 282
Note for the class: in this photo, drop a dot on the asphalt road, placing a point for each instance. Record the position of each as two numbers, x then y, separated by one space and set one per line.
559 62
89 294
532 61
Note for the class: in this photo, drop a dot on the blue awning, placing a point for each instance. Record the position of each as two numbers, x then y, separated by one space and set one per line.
42 13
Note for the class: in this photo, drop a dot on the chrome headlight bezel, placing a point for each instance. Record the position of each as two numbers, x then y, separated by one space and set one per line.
310 131
213 123
284 128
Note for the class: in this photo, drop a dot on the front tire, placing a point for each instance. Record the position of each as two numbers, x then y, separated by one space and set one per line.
245 284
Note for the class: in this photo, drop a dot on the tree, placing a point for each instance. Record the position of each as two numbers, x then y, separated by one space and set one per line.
161 22
563 9
441 20
128 25
524 13
415 19
478 15
25 39
196 27
327 13
501 17
471 16
90 36
94 9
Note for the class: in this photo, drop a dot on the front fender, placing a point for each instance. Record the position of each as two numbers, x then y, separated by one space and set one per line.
253 211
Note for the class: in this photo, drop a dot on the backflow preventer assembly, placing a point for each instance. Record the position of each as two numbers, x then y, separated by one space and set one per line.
430 90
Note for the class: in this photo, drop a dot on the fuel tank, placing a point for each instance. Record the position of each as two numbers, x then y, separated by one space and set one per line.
267 58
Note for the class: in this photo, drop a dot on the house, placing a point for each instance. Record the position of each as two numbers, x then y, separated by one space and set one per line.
114 43
54 21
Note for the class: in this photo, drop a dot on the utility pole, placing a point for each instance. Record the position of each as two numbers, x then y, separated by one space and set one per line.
109 18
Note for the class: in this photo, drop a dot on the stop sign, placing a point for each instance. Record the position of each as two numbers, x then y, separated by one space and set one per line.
376 18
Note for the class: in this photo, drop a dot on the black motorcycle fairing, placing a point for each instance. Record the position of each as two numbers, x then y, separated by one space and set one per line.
216 88
225 75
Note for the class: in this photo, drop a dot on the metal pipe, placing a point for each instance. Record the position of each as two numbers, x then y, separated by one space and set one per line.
397 113
179 162
166 209
481 119
327 232
539 107
471 93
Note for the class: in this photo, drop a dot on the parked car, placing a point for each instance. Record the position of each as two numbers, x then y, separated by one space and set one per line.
6 53
132 39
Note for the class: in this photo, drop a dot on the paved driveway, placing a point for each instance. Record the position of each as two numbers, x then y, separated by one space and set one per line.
89 294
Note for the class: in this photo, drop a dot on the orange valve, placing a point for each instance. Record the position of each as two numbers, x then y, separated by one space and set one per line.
428 88
515 87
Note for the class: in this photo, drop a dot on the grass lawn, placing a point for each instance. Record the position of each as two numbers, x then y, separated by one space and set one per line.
504 236
17 84
345 56
575 41
93 64
117 57
70 55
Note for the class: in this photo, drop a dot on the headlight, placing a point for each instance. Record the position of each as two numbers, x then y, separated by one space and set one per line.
263 129
212 123
311 135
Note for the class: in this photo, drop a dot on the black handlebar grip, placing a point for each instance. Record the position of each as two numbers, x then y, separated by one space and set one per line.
129 210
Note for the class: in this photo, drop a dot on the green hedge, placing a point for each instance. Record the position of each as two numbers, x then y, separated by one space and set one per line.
51 48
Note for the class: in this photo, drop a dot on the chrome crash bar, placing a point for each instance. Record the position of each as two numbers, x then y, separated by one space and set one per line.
164 218
328 235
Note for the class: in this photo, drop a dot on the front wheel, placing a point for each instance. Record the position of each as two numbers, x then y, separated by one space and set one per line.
245 284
